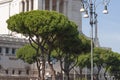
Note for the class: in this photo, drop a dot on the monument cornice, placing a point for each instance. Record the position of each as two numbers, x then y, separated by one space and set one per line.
5 1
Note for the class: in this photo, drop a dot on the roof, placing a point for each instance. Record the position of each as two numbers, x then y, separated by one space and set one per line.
8 37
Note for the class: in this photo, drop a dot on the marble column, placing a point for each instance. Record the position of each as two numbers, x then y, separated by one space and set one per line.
43 4
30 4
58 2
50 5
65 7
24 5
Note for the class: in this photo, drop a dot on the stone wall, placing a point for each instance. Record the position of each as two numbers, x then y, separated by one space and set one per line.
16 78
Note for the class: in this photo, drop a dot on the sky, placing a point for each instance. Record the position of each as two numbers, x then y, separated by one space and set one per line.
108 26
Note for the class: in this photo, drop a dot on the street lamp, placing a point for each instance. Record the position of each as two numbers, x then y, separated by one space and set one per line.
90 5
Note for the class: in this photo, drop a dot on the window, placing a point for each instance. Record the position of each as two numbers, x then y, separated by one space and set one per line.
32 4
6 71
23 6
7 50
27 3
47 4
0 49
27 71
54 5
13 50
61 4
13 71
19 72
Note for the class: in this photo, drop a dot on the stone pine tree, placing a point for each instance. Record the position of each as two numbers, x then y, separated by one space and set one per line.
114 69
111 63
68 48
103 59
42 29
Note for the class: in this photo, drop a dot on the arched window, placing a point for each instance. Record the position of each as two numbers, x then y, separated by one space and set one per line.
13 71
0 49
27 71
32 4
47 4
61 6
6 71
19 72
54 5
27 5
23 6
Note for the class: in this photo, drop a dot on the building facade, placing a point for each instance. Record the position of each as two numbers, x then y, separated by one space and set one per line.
69 8
9 41
9 64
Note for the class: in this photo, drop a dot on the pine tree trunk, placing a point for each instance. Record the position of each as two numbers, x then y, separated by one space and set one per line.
99 68
68 77
38 68
80 73
105 74
43 69
53 71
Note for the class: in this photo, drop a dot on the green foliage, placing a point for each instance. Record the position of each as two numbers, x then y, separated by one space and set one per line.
27 54
48 24
56 32
86 43
84 60
16 23
53 31
99 54
101 57
67 39
37 22
109 60
52 27
114 64
81 79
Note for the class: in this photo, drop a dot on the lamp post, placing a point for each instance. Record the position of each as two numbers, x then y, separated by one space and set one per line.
90 5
